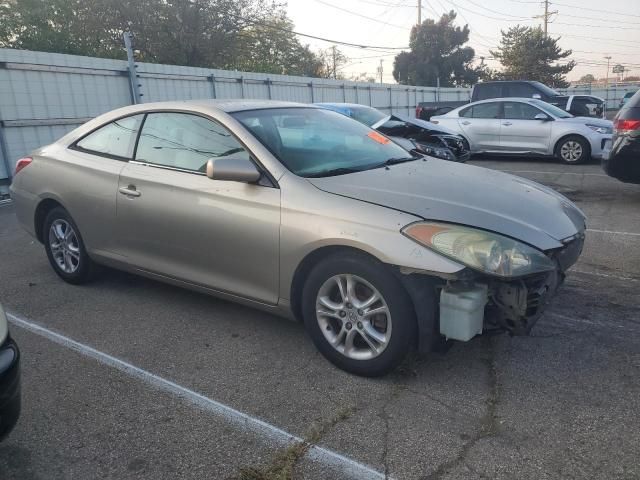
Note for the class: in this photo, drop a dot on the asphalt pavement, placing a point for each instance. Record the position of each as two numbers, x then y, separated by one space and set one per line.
129 378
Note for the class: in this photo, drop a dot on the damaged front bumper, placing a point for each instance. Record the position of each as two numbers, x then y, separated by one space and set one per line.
510 305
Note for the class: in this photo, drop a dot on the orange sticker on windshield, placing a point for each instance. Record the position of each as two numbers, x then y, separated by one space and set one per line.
378 138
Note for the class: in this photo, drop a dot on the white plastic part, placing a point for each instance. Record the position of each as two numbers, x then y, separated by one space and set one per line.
462 311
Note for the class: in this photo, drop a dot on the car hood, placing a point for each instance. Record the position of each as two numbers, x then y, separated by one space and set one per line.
468 195
598 122
427 127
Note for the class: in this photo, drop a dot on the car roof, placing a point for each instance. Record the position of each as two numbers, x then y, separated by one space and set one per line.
503 99
342 104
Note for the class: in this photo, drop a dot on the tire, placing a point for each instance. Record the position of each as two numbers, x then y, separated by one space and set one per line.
367 344
573 150
69 259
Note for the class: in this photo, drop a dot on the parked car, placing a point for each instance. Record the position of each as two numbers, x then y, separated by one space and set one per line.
428 138
626 98
621 159
528 126
578 105
302 212
9 379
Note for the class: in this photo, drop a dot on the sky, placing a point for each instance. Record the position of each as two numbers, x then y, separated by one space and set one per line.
593 29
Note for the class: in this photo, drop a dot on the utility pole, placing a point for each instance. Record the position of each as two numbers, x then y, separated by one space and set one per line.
606 84
546 16
419 12
333 55
380 70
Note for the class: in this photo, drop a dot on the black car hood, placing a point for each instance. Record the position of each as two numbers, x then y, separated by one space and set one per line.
427 127
468 195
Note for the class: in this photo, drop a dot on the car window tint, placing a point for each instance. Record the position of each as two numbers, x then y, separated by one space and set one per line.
520 111
184 141
521 90
487 110
116 139
367 115
466 112
487 91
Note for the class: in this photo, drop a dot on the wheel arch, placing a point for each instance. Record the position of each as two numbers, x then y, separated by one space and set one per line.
420 288
556 146
306 265
41 212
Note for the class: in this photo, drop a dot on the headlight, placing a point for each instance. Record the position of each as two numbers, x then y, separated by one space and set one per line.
438 152
485 251
601 130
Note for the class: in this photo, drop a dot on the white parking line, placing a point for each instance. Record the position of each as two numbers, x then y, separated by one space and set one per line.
605 275
244 421
613 232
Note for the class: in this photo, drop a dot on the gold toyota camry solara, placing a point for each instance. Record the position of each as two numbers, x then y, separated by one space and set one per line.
306 213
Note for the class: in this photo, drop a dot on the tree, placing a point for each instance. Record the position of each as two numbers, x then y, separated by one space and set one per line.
201 33
588 78
332 59
271 47
437 53
526 53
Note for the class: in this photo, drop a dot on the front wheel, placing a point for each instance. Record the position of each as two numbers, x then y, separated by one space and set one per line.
358 314
573 150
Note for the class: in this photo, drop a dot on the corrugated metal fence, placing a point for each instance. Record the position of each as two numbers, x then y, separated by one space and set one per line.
44 95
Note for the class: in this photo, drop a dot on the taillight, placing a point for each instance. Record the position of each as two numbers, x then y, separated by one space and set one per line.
23 162
622 126
418 111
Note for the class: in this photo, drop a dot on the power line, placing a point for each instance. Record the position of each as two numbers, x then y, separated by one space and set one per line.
593 9
315 37
361 16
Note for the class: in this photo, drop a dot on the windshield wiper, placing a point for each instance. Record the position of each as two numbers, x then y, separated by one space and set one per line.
333 172
396 160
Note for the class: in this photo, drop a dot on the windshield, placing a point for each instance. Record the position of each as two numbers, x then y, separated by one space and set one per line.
546 90
314 142
367 115
551 109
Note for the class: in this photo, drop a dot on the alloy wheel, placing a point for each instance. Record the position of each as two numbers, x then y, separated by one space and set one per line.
571 151
64 245
353 317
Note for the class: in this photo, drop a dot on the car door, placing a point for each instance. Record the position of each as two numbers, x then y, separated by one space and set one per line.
89 173
480 124
174 221
520 131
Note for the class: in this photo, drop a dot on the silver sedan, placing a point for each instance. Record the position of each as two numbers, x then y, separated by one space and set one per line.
303 212
528 126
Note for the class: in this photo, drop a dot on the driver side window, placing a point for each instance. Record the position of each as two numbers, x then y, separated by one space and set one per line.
520 111
184 141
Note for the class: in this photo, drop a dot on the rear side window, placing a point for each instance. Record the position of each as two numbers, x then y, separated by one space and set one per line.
487 91
184 141
483 110
116 139
634 102
520 111
521 90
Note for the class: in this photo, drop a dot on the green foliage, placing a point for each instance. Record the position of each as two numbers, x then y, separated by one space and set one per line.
527 54
234 34
588 78
437 52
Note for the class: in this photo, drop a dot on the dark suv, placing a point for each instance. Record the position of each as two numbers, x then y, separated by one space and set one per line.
622 160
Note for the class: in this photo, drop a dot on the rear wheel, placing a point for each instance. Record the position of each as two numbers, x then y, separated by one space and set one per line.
358 315
65 248
573 150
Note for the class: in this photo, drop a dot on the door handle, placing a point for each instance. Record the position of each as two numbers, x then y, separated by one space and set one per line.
129 191
507 124
466 122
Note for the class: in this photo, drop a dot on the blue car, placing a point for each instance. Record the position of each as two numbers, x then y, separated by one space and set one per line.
411 133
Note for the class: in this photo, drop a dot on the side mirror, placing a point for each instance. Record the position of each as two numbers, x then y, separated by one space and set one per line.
537 96
542 116
233 169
